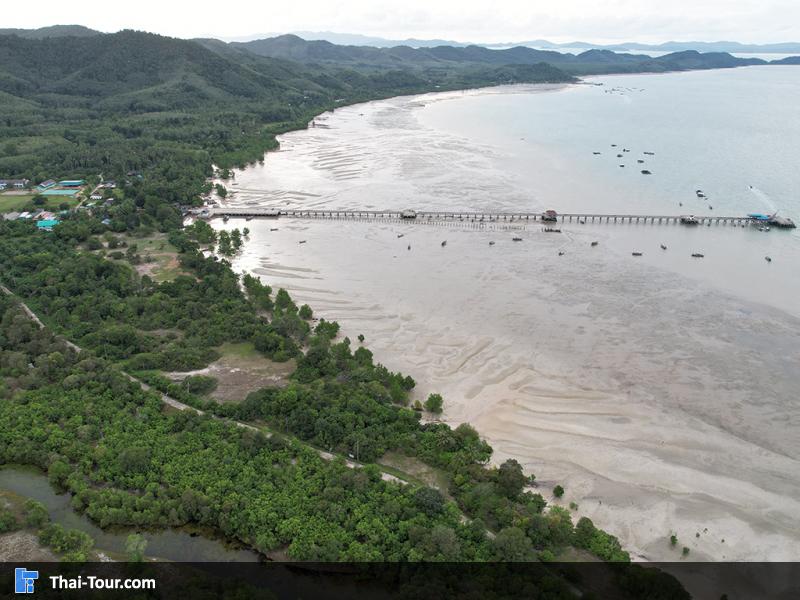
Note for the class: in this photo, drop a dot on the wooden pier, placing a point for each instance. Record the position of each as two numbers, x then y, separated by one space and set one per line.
473 217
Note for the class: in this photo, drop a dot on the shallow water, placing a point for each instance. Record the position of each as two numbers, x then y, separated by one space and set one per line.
169 544
659 390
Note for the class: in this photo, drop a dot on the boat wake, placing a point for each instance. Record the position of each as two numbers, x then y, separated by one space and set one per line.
765 199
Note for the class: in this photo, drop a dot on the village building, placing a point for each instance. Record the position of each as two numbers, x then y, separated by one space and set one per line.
47 224
17 184
72 183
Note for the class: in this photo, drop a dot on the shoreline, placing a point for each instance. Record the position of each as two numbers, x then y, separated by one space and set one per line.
347 303
596 417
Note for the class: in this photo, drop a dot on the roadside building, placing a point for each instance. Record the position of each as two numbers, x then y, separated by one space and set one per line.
11 216
71 183
46 185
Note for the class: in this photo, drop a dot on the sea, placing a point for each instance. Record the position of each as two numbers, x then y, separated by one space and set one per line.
660 390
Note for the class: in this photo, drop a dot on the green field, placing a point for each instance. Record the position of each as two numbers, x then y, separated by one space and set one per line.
10 203
17 202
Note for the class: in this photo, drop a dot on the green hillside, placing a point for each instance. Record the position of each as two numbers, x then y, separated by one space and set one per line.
170 108
52 32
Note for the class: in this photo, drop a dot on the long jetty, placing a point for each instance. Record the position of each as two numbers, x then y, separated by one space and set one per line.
485 217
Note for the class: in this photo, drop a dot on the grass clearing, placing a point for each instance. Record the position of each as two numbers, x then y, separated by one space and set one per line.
405 466
18 202
239 350
159 257
14 202
241 370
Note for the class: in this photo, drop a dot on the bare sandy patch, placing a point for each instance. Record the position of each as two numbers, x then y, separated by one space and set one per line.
20 546
240 371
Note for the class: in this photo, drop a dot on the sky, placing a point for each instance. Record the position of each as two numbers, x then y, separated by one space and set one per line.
598 21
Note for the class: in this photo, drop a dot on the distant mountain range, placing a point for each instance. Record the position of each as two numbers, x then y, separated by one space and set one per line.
595 61
355 39
351 39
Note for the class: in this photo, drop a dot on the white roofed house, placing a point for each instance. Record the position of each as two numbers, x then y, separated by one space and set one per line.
17 184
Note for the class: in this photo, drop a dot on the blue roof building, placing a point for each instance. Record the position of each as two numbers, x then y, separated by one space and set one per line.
47 224
52 192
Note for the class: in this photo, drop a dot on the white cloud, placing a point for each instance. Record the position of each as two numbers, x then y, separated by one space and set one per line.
499 20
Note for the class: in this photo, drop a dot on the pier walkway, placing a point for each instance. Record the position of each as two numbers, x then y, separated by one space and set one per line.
484 217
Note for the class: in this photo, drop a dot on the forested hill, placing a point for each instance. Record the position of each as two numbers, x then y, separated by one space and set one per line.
137 72
592 61
52 31
133 101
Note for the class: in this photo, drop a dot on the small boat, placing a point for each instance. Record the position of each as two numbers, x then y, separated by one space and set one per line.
225 219
596 153
646 172
768 259
680 203
249 219
561 253
302 242
710 207
491 243
636 253
399 235
444 243
700 194
409 246
516 239
619 155
663 247
639 160
582 222
551 230
613 145
697 255
274 229
649 153
594 243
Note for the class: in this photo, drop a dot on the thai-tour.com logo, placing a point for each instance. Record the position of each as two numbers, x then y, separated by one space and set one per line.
24 580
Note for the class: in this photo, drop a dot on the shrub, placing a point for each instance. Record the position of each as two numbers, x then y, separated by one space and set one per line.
434 403
199 384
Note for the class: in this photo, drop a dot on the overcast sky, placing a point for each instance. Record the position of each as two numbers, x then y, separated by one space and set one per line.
598 21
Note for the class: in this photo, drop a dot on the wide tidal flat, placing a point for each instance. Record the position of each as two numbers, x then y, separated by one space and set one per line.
660 391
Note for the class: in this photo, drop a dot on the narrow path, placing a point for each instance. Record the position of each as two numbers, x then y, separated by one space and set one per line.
170 401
